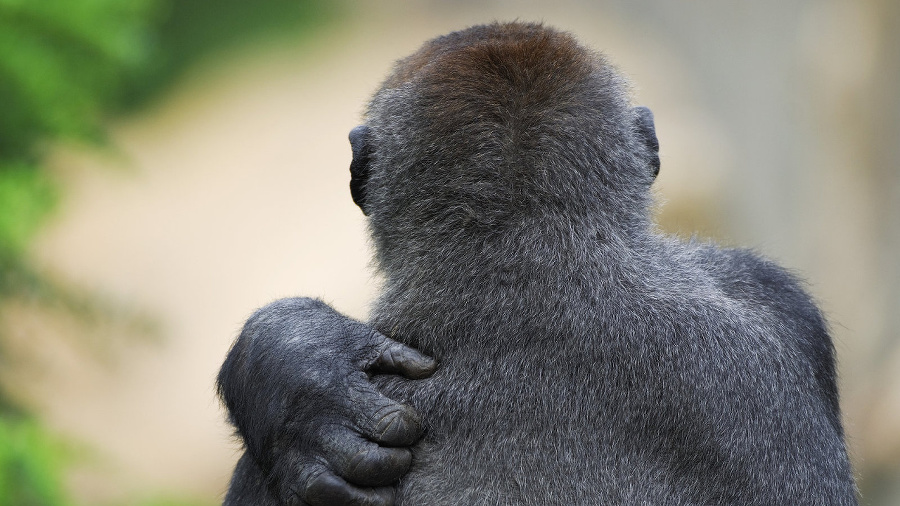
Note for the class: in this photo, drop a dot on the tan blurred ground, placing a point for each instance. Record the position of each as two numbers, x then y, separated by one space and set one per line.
233 192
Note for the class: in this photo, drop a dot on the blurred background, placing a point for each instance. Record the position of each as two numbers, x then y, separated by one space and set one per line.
167 166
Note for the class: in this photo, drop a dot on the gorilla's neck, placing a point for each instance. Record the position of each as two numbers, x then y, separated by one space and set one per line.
450 294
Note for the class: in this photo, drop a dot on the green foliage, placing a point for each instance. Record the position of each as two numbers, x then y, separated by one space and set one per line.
26 196
65 65
31 463
61 63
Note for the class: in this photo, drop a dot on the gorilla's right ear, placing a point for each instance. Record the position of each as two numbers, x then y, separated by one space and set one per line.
647 130
359 166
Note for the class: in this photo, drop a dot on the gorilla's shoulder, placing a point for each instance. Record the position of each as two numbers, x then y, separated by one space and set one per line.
744 273
761 284
779 297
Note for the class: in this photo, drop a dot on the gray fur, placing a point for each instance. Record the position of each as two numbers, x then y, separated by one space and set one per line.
585 358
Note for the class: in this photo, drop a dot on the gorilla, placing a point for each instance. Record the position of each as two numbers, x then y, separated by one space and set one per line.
584 357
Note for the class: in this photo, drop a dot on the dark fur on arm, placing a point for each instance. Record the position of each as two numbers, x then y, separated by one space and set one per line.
296 388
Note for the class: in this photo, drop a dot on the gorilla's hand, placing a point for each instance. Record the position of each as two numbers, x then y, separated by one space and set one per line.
296 386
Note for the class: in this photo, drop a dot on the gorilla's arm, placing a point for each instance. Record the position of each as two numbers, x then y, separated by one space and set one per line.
296 387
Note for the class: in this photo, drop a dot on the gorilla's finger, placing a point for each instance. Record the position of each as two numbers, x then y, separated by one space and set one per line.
392 424
379 418
375 466
397 358
328 489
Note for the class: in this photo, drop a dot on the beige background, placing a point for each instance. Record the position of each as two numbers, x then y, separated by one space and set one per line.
232 191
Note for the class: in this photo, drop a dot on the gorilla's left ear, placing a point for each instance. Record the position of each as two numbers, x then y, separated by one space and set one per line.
647 131
359 166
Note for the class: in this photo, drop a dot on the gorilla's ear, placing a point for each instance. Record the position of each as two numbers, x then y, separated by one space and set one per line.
647 131
359 166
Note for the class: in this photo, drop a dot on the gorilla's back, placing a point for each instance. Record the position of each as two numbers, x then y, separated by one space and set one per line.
681 381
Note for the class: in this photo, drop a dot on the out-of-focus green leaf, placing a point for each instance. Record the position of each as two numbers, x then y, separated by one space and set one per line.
31 462
26 196
62 62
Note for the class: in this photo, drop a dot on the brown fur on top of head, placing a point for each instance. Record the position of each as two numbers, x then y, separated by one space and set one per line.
507 73
521 39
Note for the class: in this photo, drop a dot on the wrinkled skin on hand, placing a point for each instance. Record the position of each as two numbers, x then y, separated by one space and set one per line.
296 386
